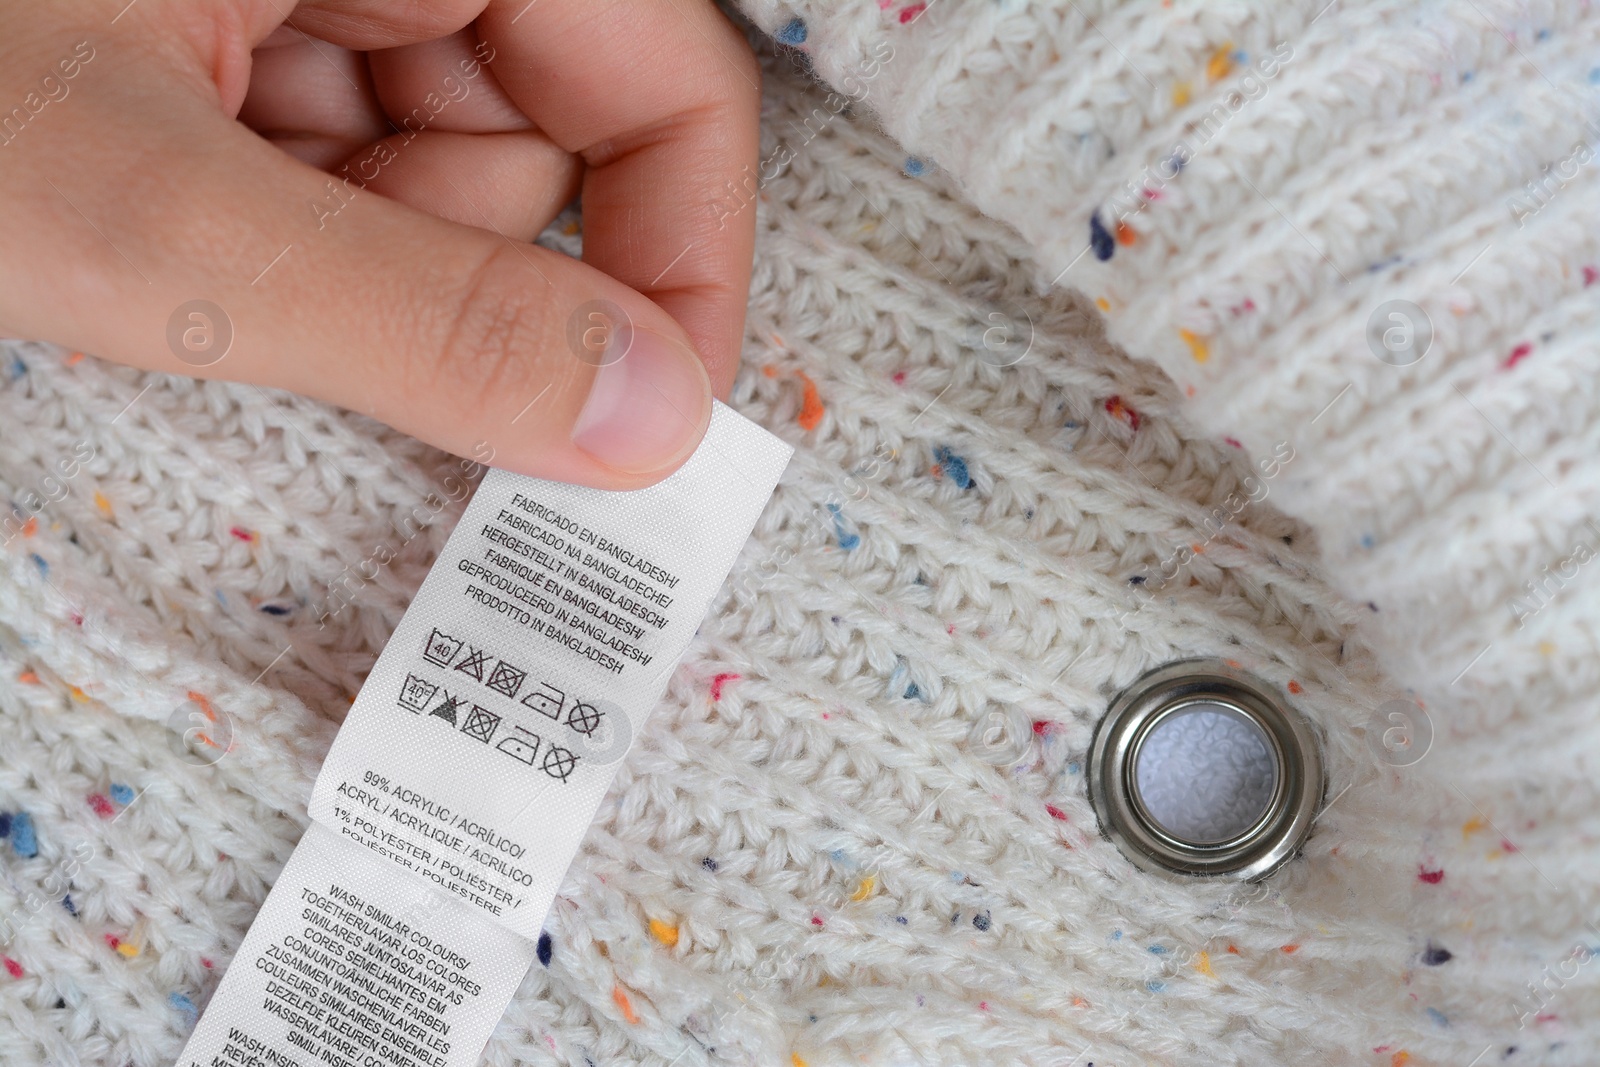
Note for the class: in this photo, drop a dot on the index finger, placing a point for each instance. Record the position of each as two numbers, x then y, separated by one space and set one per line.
662 99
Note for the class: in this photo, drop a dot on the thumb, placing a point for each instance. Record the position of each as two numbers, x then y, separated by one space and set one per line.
250 266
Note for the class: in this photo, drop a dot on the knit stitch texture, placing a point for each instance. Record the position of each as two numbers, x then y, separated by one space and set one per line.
856 829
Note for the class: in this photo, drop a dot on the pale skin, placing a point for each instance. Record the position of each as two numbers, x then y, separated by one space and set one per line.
356 184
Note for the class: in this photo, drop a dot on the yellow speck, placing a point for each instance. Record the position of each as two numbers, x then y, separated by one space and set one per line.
667 935
1202 963
1180 94
1400 1059
795 1060
864 890
1197 346
571 229
1547 648
78 694
128 950
1221 63
1103 304
102 503
1472 826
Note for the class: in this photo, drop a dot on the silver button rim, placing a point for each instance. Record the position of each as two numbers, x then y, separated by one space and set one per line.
1274 839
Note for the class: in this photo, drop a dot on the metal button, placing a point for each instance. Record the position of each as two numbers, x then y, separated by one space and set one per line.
1201 769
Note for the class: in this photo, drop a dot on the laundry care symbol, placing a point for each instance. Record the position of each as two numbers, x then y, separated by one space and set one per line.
417 695
558 762
504 678
416 692
481 724
442 649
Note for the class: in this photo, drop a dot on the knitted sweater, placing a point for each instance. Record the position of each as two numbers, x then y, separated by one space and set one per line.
856 830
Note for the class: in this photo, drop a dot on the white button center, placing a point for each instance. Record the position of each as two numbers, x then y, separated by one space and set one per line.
1206 773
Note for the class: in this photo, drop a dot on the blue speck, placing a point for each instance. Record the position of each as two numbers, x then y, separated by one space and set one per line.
38 561
122 794
275 609
847 540
1159 950
981 920
72 909
709 864
544 949
1594 75
954 466
901 919
1466 76
1367 540
1072 768
1116 935
23 837
5 824
1542 35
837 855
915 167
184 1005
1137 579
1100 238
912 692
793 33
1438 1017
17 368
1156 987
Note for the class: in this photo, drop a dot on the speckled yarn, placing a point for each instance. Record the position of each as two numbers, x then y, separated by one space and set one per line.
856 829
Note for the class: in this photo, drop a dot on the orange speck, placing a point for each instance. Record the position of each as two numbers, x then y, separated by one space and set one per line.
1233 950
1289 949
1197 345
624 1004
1202 964
1220 65
795 1060
1103 304
770 370
1235 664
1180 94
811 409
667 935
1079 1002
1125 234
1295 687
75 359
571 228
30 527
78 694
1472 826
1188 390
28 678
205 705
1400 1059
102 503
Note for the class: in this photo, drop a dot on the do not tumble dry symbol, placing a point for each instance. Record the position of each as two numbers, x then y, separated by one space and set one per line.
481 724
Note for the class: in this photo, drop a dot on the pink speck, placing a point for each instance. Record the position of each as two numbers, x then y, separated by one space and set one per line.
1055 812
77 620
112 940
1041 727
1431 877
718 682
102 807
899 377
207 964
983 1005
1590 276
1518 354
826 716
909 14
13 968
241 534
816 920
1234 441
1507 846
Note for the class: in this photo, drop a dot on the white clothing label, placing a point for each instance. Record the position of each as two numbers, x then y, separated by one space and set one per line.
471 764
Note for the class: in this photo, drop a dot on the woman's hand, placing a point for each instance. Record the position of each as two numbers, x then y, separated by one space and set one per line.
337 197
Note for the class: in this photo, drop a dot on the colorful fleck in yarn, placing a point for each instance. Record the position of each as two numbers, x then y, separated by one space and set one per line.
184 1007
953 465
1430 877
544 948
793 33
1100 239
1436 955
665 933
24 840
847 540
122 794
720 680
101 806
914 167
13 968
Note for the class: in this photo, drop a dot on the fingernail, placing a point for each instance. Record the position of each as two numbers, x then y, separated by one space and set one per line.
647 409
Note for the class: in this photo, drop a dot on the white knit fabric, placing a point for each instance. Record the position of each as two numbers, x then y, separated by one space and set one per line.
817 852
